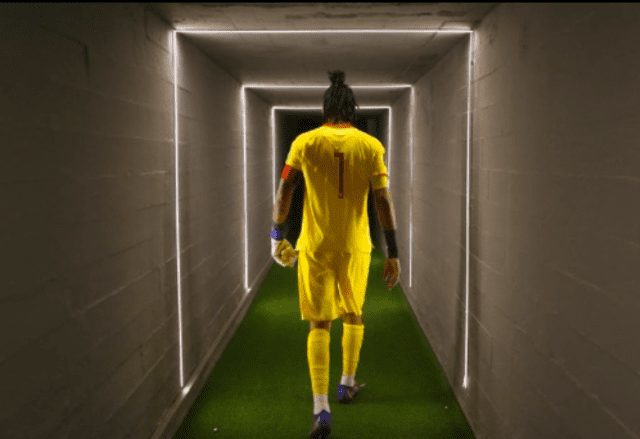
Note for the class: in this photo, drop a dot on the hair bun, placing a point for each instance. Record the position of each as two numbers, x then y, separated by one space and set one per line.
337 77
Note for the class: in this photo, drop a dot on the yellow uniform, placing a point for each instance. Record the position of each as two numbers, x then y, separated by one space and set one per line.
338 162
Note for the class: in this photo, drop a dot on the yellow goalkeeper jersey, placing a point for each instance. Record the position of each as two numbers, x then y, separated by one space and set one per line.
338 162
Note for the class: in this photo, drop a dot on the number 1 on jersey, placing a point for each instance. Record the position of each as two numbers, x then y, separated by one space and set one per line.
340 156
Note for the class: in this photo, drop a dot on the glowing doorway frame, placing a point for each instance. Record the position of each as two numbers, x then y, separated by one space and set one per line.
465 382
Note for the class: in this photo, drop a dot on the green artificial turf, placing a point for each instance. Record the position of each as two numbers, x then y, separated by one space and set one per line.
260 387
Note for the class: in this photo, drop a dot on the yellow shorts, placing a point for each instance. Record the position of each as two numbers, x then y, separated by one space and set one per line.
331 284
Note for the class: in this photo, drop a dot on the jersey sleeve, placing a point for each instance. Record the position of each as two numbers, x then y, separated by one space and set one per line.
294 159
379 176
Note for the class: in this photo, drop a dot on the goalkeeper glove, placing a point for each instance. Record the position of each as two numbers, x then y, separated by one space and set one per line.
282 251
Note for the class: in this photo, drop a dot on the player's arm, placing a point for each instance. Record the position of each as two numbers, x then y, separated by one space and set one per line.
384 207
288 181
387 218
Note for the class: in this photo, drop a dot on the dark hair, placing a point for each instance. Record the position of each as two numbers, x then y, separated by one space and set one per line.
339 100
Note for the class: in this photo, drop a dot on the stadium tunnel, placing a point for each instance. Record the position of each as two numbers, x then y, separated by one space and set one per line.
511 145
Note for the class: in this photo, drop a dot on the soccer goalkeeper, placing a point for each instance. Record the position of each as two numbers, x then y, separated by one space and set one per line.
338 163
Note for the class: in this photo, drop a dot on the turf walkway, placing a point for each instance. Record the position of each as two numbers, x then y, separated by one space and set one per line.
260 387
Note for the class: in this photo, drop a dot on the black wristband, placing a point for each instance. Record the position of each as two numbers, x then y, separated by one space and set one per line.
392 249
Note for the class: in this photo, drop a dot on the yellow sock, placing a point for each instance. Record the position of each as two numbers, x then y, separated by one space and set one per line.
351 343
318 356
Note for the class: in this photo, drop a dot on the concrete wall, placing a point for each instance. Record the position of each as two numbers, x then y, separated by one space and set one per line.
555 239
212 188
260 182
89 293
439 203
398 164
89 270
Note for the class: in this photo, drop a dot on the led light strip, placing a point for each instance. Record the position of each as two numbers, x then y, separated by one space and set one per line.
465 381
328 31
243 103
411 135
177 183
324 87
268 86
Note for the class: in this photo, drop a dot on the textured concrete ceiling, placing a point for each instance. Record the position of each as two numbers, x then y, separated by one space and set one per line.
302 59
321 15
